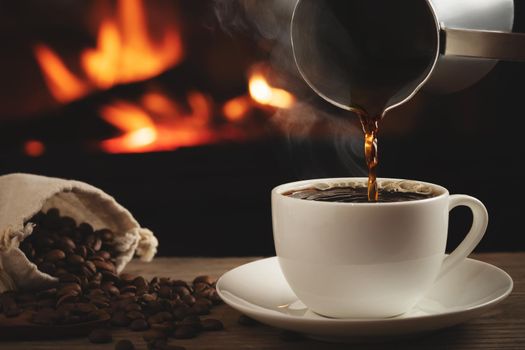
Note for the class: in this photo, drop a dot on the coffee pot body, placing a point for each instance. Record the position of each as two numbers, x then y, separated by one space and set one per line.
471 37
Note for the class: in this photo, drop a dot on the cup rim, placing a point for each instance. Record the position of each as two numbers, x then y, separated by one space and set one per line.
280 189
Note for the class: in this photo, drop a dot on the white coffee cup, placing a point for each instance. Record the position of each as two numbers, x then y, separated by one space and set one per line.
367 260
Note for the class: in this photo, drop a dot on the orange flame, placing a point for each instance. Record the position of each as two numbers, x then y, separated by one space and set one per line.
63 85
147 127
124 53
262 92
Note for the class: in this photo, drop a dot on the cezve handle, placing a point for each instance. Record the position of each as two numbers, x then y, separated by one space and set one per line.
483 44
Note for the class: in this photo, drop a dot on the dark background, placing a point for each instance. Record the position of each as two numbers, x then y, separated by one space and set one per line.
214 199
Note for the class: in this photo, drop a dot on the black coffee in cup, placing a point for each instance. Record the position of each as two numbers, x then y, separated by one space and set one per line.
358 194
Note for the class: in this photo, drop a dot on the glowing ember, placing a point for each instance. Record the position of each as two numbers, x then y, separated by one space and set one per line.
263 93
124 53
34 148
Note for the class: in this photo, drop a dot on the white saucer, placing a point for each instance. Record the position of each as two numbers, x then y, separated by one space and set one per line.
259 290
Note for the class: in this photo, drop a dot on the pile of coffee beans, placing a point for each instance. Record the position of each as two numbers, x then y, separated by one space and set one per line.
89 289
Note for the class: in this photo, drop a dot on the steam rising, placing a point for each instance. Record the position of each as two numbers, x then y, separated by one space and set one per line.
270 20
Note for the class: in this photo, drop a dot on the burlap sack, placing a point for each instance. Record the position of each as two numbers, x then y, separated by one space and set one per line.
23 195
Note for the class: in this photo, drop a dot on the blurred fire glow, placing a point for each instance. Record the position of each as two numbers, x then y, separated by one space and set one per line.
124 53
262 92
146 128
63 85
34 148
237 108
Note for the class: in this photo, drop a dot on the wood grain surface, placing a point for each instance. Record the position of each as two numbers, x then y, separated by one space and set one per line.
501 328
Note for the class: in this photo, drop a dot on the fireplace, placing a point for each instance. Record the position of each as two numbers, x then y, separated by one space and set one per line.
190 126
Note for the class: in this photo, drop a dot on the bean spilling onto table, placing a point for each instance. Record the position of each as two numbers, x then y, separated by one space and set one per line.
89 288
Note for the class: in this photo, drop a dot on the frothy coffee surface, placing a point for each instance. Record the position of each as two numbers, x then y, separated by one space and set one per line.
358 193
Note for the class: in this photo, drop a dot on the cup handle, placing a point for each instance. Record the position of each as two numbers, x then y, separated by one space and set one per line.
480 220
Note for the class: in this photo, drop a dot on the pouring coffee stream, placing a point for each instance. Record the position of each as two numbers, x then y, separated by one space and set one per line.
369 57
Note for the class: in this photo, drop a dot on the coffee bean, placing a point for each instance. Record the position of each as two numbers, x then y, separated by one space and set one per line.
188 299
106 235
47 267
139 325
165 292
119 319
166 327
46 316
45 303
103 254
109 276
67 222
128 289
180 312
215 297
69 277
85 228
134 315
100 336
55 255
110 288
200 287
66 244
140 282
75 259
103 265
100 302
149 297
204 302
84 308
203 279
68 297
90 266
60 271
192 321
206 293
82 251
69 287
211 324
160 317
132 307
124 344
179 283
97 244
127 278
181 290
185 332
46 293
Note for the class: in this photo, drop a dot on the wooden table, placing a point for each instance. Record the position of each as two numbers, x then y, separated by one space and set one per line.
501 328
